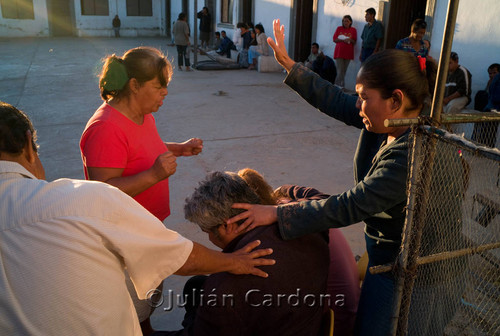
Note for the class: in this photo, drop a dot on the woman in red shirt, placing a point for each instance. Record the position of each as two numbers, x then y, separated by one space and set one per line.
345 37
120 144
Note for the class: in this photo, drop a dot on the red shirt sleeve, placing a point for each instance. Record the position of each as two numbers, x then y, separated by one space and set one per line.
104 145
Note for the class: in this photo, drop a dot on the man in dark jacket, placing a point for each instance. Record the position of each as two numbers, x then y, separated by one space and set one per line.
291 301
226 45
458 89
205 26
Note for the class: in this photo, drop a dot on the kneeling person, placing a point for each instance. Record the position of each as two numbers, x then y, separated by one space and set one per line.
291 300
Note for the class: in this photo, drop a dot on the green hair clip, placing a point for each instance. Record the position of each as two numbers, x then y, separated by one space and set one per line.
115 77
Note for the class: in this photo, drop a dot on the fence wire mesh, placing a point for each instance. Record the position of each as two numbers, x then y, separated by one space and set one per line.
482 133
453 286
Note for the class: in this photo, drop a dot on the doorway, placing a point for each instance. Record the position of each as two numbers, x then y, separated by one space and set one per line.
168 20
60 17
246 12
210 4
303 17
402 13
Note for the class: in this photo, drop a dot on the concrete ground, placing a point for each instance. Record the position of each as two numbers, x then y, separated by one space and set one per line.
245 118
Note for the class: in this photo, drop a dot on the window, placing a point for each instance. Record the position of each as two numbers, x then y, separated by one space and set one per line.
226 15
139 8
95 7
17 9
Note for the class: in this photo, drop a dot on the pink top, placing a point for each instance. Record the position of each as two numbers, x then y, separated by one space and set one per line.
112 140
342 49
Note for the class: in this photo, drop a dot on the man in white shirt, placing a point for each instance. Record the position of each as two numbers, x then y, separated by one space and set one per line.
64 246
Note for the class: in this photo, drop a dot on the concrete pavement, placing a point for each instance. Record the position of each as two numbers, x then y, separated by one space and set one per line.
246 119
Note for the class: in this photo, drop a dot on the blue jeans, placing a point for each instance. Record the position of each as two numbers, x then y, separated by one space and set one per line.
252 54
377 293
182 55
365 53
432 305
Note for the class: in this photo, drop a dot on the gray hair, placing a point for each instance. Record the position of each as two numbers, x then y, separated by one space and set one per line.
210 204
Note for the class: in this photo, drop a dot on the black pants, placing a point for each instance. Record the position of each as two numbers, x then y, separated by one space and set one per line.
182 55
484 132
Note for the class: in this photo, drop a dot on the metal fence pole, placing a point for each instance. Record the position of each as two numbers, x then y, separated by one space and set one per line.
407 234
444 59
407 263
195 42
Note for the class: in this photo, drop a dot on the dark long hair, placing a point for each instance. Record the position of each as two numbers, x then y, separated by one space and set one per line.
394 69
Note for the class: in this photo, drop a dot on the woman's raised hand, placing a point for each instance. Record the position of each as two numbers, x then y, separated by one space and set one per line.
279 48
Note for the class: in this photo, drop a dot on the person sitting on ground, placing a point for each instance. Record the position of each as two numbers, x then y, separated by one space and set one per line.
315 52
246 38
325 67
226 45
253 35
343 275
415 43
458 86
261 49
481 97
217 41
237 40
484 101
66 244
276 306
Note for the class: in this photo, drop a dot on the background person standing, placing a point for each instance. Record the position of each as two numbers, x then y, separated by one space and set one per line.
181 37
205 27
372 35
116 25
345 37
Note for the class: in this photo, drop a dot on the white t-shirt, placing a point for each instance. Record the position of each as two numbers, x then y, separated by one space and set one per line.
63 249
237 39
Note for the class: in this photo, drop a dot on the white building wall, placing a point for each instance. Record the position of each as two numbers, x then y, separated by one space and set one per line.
330 14
475 40
97 25
175 10
22 28
268 10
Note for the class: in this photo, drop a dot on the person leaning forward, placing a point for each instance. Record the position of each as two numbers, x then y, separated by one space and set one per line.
65 244
292 301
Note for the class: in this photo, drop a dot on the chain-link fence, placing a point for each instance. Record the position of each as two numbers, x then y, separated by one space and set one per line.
483 133
448 272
